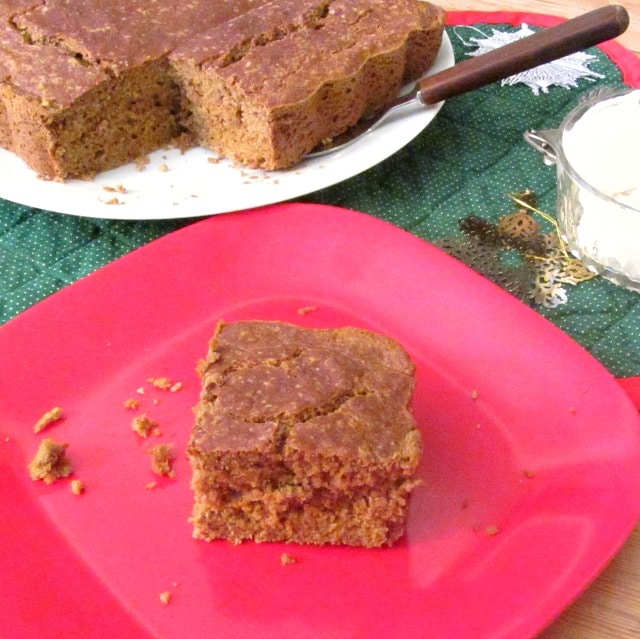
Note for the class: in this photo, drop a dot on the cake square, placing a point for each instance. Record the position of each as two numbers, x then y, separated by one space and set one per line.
303 435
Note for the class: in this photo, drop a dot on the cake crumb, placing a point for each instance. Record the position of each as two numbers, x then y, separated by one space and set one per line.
286 559
163 168
77 487
165 597
528 474
113 201
163 383
141 162
474 394
131 404
162 460
492 531
50 462
176 387
140 390
115 189
151 485
143 425
305 310
50 417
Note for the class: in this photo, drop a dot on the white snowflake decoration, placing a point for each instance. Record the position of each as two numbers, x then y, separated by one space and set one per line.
564 72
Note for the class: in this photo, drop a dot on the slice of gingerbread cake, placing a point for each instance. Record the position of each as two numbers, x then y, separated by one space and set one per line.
303 435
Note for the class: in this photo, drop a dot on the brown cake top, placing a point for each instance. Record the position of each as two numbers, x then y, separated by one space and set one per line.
228 43
330 392
57 50
8 8
124 33
285 50
44 71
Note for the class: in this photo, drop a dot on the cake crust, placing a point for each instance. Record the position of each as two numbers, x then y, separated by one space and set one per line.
303 435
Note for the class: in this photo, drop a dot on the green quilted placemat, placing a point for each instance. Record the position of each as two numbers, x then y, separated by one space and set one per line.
465 163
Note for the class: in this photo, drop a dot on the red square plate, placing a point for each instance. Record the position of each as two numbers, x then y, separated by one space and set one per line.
530 468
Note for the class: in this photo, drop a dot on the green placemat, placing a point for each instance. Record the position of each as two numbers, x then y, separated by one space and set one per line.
465 163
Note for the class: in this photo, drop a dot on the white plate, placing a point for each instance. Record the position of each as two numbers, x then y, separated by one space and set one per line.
179 185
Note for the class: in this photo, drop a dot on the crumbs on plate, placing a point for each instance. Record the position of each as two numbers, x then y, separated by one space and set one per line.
162 457
141 162
50 462
50 417
115 189
305 310
77 486
164 383
286 559
144 425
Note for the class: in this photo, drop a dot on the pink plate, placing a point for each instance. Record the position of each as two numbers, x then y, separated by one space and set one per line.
530 469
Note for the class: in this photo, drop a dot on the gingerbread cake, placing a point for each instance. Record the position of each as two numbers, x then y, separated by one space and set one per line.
303 435
87 85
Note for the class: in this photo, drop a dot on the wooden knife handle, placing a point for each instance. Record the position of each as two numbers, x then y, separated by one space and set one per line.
545 45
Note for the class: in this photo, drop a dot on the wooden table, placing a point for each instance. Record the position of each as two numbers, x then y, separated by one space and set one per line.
610 607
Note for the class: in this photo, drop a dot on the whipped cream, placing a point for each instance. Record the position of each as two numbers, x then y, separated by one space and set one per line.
603 147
